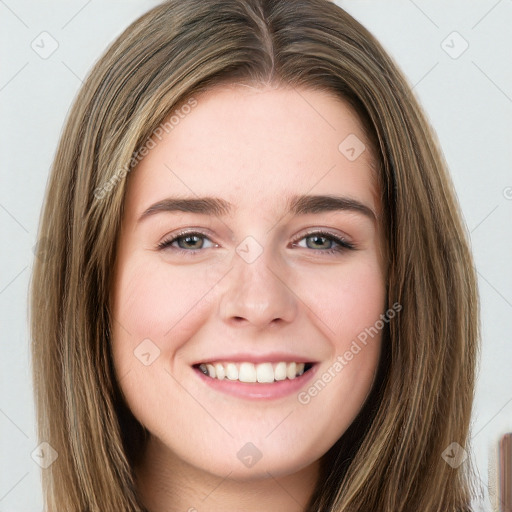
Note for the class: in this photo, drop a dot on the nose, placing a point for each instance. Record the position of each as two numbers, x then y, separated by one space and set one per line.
257 293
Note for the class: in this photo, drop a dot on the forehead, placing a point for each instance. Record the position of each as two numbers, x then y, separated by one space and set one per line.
256 147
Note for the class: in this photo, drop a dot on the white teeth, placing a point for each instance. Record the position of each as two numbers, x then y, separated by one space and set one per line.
265 372
219 370
232 371
211 370
291 371
249 372
280 371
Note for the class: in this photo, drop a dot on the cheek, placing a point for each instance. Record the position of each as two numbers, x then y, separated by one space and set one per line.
344 301
351 312
155 301
157 308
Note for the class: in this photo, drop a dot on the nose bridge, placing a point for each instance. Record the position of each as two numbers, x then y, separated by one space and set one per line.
256 289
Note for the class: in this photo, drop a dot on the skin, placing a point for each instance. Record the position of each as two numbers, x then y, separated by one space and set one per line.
253 147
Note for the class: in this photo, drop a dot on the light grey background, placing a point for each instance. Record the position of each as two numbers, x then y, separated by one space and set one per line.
468 98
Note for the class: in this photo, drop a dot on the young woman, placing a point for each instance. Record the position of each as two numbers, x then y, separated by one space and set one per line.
259 293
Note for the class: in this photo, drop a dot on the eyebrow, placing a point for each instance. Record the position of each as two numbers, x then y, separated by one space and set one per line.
297 205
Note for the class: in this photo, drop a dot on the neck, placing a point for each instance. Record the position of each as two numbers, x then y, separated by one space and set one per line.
169 484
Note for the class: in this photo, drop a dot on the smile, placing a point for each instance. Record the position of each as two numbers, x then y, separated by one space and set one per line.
249 372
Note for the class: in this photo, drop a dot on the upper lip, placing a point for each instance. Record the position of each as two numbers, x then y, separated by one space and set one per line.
256 358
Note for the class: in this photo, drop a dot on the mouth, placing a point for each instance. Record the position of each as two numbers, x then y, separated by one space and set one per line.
248 372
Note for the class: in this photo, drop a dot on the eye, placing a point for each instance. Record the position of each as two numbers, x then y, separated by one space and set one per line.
188 242
324 240
191 242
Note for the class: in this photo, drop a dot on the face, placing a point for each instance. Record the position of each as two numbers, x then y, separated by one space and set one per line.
237 319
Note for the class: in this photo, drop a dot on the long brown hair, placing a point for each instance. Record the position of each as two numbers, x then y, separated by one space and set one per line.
390 459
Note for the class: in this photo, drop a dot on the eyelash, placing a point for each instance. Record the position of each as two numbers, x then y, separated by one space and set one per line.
343 245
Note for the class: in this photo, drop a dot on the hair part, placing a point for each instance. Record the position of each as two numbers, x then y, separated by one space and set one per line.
390 457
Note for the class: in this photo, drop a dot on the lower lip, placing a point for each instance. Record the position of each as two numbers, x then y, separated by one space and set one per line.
256 390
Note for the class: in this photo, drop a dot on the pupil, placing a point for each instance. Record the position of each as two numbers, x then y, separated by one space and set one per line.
189 240
317 238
